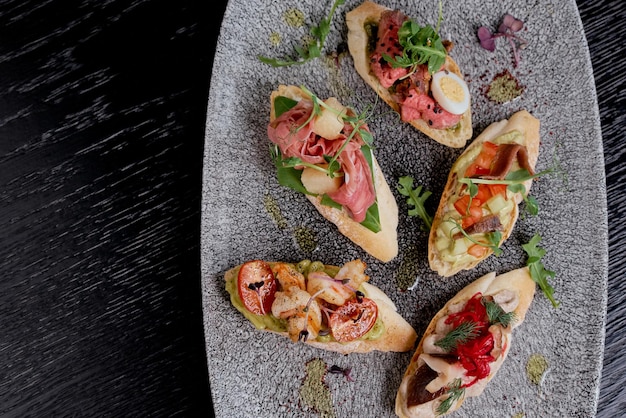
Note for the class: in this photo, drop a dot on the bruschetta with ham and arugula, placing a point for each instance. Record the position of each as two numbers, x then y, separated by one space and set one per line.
329 307
479 205
465 344
324 149
409 67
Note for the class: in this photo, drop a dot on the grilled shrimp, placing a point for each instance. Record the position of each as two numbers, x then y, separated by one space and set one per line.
288 276
325 287
299 309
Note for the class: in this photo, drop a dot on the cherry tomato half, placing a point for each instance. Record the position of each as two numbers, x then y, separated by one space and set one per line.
353 319
257 286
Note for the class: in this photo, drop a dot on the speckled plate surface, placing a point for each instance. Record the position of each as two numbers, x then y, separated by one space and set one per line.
259 374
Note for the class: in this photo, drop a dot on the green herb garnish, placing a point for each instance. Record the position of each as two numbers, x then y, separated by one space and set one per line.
537 270
455 392
313 48
496 314
515 182
493 238
415 198
422 45
458 336
289 170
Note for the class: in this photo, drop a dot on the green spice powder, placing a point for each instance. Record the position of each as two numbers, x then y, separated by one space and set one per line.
314 393
504 88
271 207
306 239
536 367
409 268
275 38
294 17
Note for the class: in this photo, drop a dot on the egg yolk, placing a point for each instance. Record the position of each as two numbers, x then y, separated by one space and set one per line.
451 89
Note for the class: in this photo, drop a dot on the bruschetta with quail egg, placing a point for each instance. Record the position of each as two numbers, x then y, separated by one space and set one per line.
410 68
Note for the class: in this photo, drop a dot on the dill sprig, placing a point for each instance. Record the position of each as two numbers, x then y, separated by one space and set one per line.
455 392
458 336
496 314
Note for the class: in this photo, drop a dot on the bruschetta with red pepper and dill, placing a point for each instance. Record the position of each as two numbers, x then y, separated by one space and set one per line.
409 68
479 205
329 307
324 150
465 344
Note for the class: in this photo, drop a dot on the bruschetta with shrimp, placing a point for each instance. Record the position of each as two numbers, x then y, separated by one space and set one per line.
465 344
410 68
324 149
479 205
329 307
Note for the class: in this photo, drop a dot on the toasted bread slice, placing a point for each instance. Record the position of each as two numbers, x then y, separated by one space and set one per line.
390 332
369 13
448 249
423 389
383 244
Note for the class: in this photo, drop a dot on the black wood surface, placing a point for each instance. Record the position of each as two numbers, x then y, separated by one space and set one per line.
102 111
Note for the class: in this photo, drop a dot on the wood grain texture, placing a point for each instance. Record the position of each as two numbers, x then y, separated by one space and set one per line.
604 24
102 110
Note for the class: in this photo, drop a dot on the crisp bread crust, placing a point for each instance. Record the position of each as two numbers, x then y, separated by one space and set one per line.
399 335
383 244
518 281
521 121
358 41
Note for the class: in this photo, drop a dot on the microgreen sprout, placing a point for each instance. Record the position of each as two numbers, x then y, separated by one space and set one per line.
415 198
493 238
507 29
346 372
314 46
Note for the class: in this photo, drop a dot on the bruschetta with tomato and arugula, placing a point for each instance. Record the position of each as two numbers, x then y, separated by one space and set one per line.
410 68
479 205
324 149
465 344
329 307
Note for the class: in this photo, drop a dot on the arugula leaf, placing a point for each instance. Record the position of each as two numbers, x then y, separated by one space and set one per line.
372 218
283 104
327 201
313 49
415 198
537 270
422 45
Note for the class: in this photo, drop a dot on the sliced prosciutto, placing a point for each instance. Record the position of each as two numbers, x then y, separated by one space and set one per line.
295 138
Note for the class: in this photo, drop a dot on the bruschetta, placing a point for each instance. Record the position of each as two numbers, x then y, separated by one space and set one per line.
322 149
330 307
410 68
479 204
465 344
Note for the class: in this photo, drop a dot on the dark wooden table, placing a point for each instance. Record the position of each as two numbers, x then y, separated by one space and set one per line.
102 111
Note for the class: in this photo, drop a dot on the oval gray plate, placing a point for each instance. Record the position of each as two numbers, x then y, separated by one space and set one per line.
255 373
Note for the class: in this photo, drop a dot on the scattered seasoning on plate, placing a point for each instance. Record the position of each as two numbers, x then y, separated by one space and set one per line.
275 38
504 88
271 207
294 17
406 275
314 393
536 368
306 239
